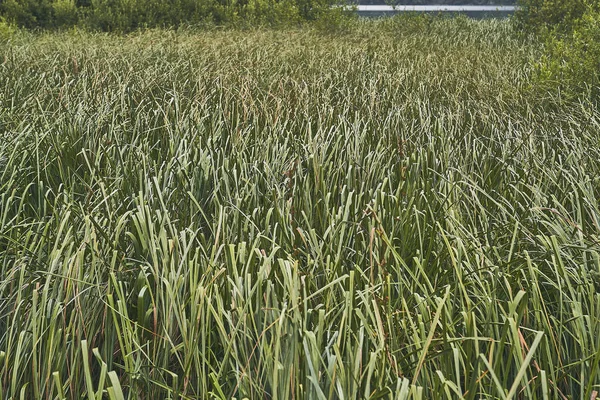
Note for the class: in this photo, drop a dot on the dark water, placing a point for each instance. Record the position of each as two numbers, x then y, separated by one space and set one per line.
471 10
438 2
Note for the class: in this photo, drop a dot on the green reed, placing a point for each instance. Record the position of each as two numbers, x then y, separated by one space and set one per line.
392 212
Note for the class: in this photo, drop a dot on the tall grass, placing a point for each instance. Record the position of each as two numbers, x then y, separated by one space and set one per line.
395 212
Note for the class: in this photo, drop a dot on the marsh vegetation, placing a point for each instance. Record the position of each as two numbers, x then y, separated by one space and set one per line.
395 211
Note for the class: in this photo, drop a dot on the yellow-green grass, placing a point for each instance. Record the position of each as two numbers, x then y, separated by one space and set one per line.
395 211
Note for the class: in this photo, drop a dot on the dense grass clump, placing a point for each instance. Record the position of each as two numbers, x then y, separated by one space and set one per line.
396 212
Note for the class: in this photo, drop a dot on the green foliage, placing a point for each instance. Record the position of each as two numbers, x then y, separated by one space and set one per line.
127 15
27 13
39 13
570 32
124 15
65 13
335 21
572 62
6 30
555 15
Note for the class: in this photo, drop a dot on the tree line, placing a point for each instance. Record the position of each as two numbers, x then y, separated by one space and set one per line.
127 15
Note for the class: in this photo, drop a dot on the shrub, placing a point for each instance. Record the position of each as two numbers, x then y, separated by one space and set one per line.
573 61
570 31
39 13
127 15
64 13
540 15
6 30
335 21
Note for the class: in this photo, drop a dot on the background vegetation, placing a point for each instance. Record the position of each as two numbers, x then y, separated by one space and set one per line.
570 31
402 208
396 212
128 15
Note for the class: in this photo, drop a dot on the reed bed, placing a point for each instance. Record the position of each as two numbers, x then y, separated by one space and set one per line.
395 211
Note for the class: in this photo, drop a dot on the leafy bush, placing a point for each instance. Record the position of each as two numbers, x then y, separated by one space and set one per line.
570 31
6 30
28 13
336 21
39 13
126 15
573 61
64 12
541 15
132 14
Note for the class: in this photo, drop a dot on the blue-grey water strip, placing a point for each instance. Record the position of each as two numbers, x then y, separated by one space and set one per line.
434 8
